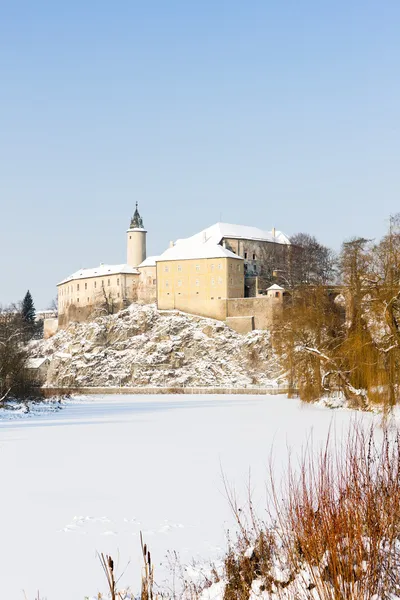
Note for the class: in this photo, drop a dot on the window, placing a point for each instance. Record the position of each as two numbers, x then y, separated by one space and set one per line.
231 280
154 281
254 256
197 282
179 268
88 299
276 294
212 267
102 283
118 295
219 266
117 280
85 286
197 267
167 284
109 282
213 281
95 284
212 297
166 269
179 282
245 255
77 299
238 267
219 280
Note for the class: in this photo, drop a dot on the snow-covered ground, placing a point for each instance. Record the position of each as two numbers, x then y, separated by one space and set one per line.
89 477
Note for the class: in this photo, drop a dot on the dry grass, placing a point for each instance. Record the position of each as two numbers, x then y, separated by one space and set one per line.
333 528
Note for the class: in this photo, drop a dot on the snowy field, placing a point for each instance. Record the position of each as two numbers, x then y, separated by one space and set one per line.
89 477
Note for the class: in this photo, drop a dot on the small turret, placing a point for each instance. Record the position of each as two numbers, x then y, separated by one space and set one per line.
136 246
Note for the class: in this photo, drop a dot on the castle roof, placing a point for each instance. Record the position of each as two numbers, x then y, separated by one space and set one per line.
136 221
101 271
150 261
193 248
220 231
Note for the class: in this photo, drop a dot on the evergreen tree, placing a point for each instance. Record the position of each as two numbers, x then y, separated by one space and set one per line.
28 312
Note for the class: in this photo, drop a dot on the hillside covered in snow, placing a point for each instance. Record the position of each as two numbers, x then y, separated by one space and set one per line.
141 346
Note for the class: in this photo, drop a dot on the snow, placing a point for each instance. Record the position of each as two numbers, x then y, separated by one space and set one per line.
36 363
141 346
100 271
150 261
206 243
275 286
89 477
194 248
218 231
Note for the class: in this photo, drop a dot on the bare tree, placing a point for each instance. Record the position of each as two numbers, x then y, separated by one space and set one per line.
54 305
13 356
309 262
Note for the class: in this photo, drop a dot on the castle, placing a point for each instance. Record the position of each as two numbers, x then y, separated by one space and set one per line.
223 272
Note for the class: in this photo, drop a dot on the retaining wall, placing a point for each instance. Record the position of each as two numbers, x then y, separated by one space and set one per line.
48 392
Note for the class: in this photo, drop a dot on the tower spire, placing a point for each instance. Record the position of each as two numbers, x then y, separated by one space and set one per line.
137 221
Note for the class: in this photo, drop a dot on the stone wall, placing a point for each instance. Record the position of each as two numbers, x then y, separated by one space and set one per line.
50 327
240 324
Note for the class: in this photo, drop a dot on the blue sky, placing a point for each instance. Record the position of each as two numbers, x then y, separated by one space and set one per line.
277 113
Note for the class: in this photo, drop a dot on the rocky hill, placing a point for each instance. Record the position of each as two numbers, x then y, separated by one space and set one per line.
141 346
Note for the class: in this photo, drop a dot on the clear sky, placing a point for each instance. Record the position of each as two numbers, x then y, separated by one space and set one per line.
270 113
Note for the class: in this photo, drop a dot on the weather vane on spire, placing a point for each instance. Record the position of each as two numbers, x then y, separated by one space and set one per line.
137 221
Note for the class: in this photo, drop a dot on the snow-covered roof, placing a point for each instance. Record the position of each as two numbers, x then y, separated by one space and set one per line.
275 286
150 261
219 231
36 363
101 271
192 249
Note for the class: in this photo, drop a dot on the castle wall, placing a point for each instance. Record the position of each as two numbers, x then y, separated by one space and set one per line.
147 285
81 299
263 310
199 286
50 327
260 258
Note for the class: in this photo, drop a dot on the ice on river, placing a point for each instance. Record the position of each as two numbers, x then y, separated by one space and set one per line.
92 476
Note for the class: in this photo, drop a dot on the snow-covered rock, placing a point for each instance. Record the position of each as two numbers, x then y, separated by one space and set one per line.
141 346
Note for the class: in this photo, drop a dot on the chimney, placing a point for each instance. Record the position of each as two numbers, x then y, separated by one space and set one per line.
171 244
204 237
273 231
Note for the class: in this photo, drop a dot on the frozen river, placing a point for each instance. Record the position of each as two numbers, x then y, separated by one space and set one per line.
89 477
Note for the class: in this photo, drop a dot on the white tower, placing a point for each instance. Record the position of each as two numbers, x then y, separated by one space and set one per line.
136 244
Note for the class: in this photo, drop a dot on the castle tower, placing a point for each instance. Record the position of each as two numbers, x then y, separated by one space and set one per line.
136 244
